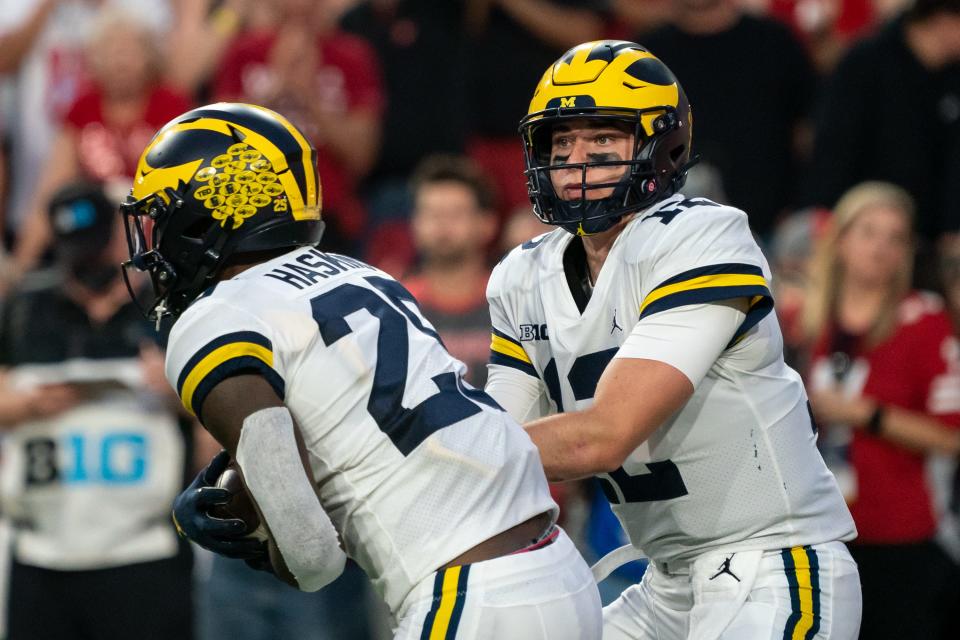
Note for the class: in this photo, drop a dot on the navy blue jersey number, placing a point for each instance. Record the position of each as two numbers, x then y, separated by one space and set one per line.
666 216
406 428
663 482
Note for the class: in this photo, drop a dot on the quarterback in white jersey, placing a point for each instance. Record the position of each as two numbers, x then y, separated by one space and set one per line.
645 323
351 423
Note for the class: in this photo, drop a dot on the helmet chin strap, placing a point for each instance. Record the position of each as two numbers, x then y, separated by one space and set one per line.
159 311
592 227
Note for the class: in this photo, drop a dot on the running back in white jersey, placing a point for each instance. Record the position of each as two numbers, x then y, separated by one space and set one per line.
413 466
737 466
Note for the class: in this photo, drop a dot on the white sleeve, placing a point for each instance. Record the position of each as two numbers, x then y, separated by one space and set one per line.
512 380
520 395
214 340
705 254
689 338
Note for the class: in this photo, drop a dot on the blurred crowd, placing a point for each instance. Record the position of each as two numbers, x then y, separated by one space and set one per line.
835 124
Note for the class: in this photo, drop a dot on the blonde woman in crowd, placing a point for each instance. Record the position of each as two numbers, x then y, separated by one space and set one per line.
885 387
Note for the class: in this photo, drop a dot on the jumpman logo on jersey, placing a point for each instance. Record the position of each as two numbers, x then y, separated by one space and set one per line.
725 568
615 327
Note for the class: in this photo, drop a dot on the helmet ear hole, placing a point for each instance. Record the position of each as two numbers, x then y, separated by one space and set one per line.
677 152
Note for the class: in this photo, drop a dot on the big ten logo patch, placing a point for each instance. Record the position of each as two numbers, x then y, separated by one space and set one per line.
239 183
533 332
110 459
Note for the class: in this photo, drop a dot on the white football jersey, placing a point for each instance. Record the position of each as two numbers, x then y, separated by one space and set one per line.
413 465
737 467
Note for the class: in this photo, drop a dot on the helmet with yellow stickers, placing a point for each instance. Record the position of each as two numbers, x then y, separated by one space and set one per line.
619 83
218 181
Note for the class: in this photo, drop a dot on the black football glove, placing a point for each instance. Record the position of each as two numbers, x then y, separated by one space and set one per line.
224 536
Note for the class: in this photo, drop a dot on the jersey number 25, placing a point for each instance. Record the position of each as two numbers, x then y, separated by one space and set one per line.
406 427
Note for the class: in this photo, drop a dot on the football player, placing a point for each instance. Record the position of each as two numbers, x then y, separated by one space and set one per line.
644 321
351 424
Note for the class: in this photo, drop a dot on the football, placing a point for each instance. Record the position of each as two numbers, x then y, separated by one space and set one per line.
240 505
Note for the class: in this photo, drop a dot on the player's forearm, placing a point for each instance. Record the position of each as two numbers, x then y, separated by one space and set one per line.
634 397
307 545
576 445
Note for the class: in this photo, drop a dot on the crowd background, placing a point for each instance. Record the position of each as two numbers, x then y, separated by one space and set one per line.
413 106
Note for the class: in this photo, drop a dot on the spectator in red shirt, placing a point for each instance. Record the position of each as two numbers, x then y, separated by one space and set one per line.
107 126
328 83
885 372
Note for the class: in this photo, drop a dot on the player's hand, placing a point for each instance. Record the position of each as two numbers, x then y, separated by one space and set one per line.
226 537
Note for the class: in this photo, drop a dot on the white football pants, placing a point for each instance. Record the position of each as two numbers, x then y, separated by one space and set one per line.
545 594
802 593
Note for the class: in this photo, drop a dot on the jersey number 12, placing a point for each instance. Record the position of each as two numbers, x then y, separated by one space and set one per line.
662 483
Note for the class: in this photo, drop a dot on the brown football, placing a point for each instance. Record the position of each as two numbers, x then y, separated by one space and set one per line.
240 505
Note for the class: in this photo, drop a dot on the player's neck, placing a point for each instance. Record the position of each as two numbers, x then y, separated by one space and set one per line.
597 247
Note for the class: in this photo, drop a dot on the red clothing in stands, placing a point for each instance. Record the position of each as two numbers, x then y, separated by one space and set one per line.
856 16
918 369
347 79
107 151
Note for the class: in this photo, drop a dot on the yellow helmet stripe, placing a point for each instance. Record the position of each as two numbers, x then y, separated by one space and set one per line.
309 167
298 207
153 180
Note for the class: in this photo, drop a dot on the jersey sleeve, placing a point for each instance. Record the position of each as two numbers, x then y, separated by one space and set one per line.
214 341
523 397
709 255
704 331
505 348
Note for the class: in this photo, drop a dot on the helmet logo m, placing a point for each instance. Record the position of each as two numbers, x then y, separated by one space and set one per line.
570 101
